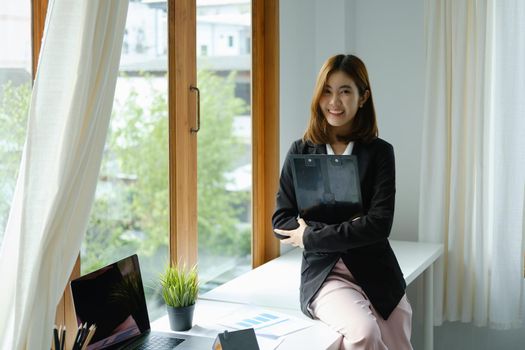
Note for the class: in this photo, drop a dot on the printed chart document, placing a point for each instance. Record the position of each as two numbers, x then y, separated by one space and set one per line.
264 322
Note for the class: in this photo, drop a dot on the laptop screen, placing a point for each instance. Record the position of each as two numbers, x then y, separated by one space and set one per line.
113 299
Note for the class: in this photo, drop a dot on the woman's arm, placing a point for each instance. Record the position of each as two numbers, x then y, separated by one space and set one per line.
368 229
286 212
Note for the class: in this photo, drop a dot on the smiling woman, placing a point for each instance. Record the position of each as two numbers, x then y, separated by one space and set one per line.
340 101
343 93
351 279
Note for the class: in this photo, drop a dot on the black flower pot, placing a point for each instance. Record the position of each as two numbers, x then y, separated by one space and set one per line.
181 318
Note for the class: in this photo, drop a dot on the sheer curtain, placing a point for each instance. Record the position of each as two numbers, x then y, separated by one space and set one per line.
68 119
473 160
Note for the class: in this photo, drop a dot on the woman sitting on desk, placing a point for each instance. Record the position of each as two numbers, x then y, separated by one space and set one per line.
350 277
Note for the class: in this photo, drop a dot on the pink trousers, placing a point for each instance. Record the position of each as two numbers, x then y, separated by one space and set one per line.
342 305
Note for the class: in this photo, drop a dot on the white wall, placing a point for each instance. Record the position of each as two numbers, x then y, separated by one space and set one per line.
297 68
389 37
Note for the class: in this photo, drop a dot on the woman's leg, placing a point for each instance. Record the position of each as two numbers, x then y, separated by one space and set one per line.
395 331
347 311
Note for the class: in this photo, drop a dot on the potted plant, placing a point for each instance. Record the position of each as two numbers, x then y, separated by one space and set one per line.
180 287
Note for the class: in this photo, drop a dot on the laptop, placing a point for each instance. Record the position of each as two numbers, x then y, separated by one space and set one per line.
327 187
113 299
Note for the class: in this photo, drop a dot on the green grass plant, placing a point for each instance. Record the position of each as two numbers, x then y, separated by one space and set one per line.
180 285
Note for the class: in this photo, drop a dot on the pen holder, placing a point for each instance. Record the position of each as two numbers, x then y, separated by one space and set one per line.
82 337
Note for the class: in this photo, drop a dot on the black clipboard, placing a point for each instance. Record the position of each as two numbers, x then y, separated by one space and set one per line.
327 187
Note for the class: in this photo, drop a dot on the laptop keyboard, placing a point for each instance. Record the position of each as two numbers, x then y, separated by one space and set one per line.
156 342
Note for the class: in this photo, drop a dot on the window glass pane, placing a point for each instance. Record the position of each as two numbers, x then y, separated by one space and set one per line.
15 94
224 141
131 209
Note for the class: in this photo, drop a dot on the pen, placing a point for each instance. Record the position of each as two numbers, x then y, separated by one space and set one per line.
77 337
55 335
90 335
83 336
59 333
63 338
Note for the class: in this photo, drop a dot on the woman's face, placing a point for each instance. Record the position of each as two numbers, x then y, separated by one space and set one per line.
340 102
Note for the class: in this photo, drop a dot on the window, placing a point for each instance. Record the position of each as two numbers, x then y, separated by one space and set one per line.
141 103
224 152
130 213
15 94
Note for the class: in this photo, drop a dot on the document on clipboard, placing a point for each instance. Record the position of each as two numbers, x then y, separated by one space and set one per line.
327 187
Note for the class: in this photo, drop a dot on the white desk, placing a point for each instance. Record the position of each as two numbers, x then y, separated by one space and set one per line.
318 336
276 283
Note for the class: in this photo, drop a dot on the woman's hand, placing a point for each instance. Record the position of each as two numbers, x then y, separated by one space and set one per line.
295 236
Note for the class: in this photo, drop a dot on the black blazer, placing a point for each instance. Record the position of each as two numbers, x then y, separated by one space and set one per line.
363 243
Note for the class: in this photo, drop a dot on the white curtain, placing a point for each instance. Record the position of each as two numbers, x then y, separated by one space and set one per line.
473 160
68 120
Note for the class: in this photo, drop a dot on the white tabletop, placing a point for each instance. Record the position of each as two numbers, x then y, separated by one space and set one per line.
276 283
208 312
275 286
415 257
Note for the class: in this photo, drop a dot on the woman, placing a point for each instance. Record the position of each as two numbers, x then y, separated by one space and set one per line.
350 277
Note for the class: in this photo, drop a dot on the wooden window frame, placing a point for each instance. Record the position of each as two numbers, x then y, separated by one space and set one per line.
182 164
265 128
